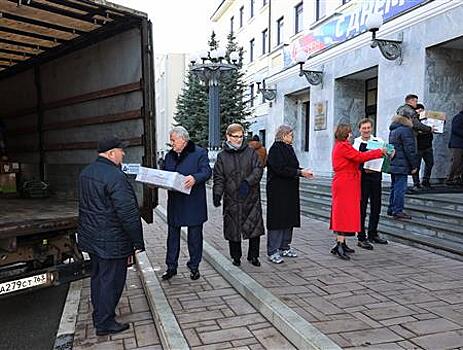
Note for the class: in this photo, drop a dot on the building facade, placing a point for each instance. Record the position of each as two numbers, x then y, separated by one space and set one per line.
170 74
357 80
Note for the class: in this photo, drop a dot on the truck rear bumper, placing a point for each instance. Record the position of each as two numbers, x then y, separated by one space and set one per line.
52 276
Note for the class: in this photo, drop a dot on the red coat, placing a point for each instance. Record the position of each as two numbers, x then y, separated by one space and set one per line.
345 189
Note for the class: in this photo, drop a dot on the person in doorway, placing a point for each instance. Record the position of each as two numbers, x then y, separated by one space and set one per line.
370 190
283 206
109 230
188 210
346 188
257 146
455 176
425 153
404 162
237 174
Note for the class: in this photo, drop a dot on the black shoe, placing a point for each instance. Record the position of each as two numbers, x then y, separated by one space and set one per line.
254 261
339 251
365 245
194 274
378 240
346 248
168 274
236 262
389 213
426 185
400 216
115 328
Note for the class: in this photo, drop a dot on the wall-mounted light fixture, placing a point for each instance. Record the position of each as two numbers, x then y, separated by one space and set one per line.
269 94
390 49
314 77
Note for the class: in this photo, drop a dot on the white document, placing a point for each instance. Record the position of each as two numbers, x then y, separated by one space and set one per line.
165 179
374 164
436 124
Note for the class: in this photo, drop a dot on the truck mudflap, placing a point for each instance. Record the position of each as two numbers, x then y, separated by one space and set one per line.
52 276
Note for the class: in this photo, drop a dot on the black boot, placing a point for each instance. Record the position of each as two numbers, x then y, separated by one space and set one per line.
339 251
346 248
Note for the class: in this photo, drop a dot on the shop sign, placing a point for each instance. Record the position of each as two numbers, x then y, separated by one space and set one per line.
346 25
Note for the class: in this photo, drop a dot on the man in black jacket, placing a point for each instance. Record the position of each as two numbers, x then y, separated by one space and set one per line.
409 110
456 147
425 152
109 230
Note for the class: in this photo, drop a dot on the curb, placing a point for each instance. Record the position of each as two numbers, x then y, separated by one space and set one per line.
67 326
296 329
169 331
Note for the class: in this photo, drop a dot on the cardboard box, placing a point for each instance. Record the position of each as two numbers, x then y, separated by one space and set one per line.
434 119
9 167
8 183
170 180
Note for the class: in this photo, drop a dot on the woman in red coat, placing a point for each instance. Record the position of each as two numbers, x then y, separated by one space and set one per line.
345 189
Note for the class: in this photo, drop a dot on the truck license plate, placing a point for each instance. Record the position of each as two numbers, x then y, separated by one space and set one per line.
23 283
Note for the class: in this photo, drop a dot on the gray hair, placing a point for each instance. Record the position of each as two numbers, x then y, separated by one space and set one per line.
180 131
282 131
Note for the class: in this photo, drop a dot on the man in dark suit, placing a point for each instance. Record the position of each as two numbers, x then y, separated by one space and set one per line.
455 176
188 210
109 230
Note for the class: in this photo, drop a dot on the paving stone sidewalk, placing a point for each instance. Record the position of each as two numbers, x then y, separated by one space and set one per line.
132 308
211 314
394 297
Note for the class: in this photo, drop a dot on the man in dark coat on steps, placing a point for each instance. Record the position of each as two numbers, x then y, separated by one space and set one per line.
404 162
456 147
183 209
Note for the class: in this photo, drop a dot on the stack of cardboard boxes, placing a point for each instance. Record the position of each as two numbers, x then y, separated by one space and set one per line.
8 174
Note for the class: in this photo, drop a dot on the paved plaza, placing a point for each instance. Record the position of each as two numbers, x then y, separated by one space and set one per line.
394 297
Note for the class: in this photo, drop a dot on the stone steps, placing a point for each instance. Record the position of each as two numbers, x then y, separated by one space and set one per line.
436 224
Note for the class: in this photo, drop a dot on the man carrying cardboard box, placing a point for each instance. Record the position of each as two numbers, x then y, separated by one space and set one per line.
183 209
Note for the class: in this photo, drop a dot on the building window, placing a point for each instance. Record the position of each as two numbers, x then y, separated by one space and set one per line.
262 136
320 10
371 99
232 20
298 18
241 16
251 8
280 31
251 50
264 41
251 93
264 2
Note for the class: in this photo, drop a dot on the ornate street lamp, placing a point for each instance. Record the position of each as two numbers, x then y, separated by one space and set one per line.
390 49
269 94
212 68
314 77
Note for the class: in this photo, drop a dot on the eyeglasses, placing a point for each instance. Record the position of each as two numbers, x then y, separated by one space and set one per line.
237 136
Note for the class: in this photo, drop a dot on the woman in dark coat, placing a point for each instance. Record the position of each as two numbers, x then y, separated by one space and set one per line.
283 208
346 188
237 174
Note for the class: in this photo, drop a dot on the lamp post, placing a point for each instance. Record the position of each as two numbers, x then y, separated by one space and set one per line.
390 49
314 77
212 67
269 94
